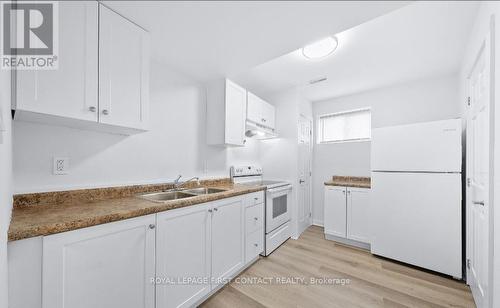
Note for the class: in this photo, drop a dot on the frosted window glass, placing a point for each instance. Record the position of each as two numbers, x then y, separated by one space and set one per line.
345 126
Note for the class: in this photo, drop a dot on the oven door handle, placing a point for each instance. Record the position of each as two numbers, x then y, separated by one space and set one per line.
279 189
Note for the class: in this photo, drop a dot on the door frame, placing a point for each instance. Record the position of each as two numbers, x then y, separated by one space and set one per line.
310 150
488 41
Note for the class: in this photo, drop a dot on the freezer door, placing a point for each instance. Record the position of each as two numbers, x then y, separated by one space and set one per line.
429 147
417 219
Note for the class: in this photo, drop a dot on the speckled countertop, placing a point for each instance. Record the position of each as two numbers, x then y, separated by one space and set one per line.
350 181
50 213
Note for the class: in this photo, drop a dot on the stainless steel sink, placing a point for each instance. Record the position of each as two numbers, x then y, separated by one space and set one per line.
203 190
167 195
180 194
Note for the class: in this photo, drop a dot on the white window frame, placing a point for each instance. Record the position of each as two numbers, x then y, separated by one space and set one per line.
320 128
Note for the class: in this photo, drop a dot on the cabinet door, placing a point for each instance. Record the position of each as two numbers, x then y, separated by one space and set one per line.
183 252
335 211
109 265
268 115
123 71
254 108
228 236
358 219
235 105
71 90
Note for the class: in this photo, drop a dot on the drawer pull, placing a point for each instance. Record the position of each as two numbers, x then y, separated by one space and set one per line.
256 198
256 218
256 245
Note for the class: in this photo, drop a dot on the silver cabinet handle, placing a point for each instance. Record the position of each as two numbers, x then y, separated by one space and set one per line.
256 198
210 210
343 192
301 181
92 109
152 226
105 111
216 209
478 202
256 218
256 245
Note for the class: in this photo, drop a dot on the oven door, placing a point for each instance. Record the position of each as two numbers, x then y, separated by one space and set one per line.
278 206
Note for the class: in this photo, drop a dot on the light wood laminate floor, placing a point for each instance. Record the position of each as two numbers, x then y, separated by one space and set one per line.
373 281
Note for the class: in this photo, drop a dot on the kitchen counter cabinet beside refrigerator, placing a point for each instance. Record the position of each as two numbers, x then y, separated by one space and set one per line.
92 88
113 265
346 215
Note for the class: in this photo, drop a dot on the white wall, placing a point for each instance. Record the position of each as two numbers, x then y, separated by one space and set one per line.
419 101
280 156
481 27
175 145
5 180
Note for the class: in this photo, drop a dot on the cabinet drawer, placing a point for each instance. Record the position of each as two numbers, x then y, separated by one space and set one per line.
254 218
254 245
255 198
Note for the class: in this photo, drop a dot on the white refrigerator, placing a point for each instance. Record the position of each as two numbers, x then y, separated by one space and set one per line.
416 195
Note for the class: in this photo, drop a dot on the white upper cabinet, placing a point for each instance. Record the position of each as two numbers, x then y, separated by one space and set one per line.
260 112
226 113
71 90
123 71
102 79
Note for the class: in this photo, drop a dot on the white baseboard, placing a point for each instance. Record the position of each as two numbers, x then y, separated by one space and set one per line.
318 223
347 241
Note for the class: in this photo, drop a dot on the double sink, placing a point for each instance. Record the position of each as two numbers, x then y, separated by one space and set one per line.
180 194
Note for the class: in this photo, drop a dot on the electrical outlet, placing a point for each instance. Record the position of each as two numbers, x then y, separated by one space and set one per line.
61 165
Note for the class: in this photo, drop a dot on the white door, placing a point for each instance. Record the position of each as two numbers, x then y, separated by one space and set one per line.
183 253
236 106
358 215
304 192
478 176
254 108
123 71
228 238
109 265
335 212
71 90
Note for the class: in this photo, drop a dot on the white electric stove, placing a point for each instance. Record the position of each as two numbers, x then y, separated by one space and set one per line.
277 205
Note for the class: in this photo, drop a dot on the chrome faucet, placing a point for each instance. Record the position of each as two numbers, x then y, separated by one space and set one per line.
178 183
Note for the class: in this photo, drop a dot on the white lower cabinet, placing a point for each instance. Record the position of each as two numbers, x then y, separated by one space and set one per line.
346 213
228 240
335 211
183 244
254 228
358 218
174 258
109 265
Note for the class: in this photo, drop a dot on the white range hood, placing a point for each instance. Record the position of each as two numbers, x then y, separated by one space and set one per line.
260 132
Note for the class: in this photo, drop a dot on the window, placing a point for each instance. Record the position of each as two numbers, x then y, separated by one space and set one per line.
353 125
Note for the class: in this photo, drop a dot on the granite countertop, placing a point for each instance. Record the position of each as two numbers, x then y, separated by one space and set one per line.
350 181
50 213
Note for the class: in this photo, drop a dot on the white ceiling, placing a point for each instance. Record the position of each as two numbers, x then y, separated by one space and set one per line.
418 40
212 39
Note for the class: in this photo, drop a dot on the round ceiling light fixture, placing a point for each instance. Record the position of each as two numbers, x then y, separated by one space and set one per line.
320 49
